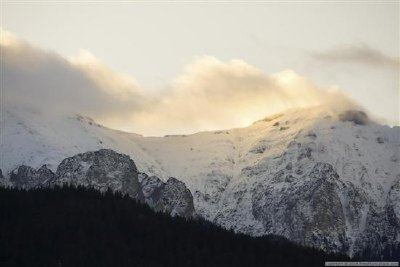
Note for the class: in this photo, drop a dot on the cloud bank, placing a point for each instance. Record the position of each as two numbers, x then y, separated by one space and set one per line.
208 95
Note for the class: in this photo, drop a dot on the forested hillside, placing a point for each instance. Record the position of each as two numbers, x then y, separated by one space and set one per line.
71 226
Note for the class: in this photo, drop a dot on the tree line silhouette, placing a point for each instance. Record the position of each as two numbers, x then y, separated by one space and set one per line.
78 226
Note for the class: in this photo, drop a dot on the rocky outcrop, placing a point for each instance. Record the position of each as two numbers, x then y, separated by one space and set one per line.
316 209
26 177
394 204
171 197
101 169
176 199
3 181
356 116
105 169
308 212
152 187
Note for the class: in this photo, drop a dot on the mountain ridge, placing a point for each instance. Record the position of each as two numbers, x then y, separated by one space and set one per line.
229 171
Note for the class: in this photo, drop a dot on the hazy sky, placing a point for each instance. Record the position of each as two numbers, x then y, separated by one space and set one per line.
353 45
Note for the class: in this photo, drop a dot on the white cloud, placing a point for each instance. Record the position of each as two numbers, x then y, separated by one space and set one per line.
209 94
119 85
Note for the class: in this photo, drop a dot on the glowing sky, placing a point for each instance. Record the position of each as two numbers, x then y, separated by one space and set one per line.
212 65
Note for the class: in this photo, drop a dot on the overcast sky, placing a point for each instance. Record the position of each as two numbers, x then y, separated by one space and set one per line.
352 45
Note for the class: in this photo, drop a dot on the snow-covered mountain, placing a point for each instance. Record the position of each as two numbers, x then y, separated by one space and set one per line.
319 178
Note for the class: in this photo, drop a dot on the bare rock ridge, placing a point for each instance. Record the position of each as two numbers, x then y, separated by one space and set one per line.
356 116
171 197
323 210
27 177
309 212
3 181
105 169
101 169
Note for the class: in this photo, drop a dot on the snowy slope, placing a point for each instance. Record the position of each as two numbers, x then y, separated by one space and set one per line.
270 177
34 140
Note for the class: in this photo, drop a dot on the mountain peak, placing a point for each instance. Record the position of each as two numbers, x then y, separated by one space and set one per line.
357 116
319 112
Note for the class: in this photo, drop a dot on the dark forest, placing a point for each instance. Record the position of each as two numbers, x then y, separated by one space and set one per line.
77 226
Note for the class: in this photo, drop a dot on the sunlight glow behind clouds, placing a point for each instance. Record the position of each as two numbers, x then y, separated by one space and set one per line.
119 85
210 94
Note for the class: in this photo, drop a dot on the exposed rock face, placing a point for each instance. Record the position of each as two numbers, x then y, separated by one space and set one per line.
176 199
27 177
309 212
101 169
3 181
105 169
319 209
171 197
152 187
393 204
